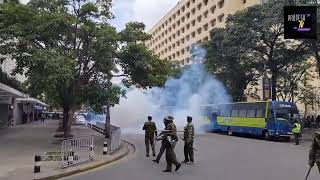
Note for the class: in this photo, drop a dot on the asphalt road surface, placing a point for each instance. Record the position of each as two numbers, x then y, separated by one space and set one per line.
219 157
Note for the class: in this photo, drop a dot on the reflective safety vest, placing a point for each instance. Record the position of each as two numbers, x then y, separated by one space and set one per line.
297 128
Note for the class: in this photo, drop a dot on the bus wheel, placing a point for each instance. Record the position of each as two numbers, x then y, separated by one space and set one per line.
266 135
229 131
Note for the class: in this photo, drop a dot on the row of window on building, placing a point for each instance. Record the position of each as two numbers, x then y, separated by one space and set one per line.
188 14
157 36
182 51
205 27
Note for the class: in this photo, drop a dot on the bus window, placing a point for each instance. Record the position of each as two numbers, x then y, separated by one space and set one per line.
225 112
234 113
242 113
260 113
251 113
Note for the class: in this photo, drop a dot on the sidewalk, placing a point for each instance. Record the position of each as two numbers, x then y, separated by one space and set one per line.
20 144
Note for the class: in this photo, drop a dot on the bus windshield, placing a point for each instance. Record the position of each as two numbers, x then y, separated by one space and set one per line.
287 114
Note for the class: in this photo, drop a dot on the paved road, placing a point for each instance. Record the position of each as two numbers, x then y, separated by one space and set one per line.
219 157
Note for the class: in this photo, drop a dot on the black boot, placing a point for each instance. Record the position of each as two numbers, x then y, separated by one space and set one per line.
178 167
156 161
166 170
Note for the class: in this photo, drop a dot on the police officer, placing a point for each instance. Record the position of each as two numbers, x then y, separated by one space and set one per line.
314 154
163 145
296 130
188 138
150 130
171 138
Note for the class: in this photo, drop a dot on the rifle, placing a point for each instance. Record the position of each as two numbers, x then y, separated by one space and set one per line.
308 172
192 147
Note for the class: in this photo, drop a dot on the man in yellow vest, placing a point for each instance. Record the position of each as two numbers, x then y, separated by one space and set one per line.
296 130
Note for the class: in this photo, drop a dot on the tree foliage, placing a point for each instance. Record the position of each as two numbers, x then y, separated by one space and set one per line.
253 41
227 60
69 50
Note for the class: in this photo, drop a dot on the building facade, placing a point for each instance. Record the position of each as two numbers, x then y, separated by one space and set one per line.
190 22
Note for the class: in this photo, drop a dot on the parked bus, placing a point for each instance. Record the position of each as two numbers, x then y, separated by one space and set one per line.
269 118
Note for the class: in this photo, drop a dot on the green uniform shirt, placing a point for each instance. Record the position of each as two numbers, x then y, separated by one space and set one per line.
171 131
149 128
314 154
188 132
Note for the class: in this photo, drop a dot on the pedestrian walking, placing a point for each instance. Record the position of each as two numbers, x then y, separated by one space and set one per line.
314 153
308 123
313 124
171 138
317 121
150 129
43 117
296 130
188 137
163 145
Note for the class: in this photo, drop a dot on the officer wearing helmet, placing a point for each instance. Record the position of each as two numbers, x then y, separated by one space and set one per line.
163 143
171 139
314 154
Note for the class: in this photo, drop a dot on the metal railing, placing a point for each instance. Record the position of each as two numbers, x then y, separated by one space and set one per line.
115 139
77 150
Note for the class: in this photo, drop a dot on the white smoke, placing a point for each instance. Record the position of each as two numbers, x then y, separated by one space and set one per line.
183 97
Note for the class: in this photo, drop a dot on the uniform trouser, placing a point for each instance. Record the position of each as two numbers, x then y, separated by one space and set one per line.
170 156
188 151
149 140
296 138
162 149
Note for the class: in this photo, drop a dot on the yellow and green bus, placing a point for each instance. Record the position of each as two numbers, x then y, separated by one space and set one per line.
266 118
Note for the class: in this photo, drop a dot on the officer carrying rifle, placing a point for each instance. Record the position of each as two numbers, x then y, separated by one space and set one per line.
170 138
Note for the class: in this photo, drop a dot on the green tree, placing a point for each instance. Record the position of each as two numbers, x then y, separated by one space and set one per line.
260 30
291 78
227 60
69 51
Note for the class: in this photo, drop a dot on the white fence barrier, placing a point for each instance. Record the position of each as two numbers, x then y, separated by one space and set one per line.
77 150
115 139
115 134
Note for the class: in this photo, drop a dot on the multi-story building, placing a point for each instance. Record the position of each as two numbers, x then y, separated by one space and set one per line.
190 22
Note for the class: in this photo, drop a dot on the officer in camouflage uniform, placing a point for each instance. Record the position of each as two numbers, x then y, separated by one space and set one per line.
163 145
188 138
171 138
314 154
150 129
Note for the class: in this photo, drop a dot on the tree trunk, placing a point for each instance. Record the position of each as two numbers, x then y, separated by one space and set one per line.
108 122
274 86
67 122
317 56
305 110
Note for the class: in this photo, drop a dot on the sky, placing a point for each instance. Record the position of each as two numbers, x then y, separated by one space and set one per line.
147 11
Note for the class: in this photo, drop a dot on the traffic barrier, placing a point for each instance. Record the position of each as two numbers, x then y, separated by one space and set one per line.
37 160
77 150
105 148
115 139
91 153
115 136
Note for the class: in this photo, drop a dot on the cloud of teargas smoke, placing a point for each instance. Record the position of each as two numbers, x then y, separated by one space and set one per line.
179 98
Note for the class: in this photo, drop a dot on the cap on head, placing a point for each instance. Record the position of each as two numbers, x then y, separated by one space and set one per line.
317 134
189 118
170 118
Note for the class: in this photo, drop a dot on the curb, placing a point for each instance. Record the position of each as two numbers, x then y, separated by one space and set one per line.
84 169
